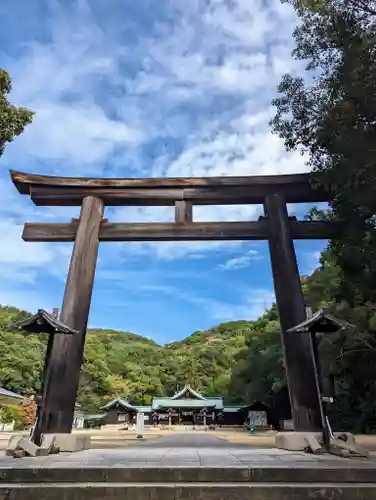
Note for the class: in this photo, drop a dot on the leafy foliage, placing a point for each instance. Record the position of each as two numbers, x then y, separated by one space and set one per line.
12 119
13 413
347 359
330 116
259 371
241 360
125 364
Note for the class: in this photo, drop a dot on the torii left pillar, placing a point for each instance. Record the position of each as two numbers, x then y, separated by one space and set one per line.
64 366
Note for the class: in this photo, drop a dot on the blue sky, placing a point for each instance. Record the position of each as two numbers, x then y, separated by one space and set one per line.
147 88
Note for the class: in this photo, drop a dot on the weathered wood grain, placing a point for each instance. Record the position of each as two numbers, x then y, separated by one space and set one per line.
181 232
206 190
166 196
25 179
298 349
67 350
47 196
183 212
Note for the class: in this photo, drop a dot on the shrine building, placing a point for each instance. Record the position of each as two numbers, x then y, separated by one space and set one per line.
187 407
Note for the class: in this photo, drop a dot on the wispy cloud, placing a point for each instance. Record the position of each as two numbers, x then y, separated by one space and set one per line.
251 307
242 305
124 88
310 260
196 76
241 261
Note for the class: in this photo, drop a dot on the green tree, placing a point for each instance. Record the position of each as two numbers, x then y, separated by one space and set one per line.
259 372
330 115
13 413
348 358
240 360
12 119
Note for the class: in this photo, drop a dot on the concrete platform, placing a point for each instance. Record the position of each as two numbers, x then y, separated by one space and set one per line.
170 468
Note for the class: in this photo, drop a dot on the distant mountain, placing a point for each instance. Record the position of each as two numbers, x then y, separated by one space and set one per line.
123 363
240 360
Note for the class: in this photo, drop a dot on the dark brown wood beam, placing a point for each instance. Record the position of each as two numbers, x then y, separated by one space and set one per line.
49 190
24 180
183 212
300 364
47 196
66 352
181 232
162 196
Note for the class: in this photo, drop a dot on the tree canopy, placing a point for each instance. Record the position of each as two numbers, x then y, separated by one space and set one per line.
13 119
241 360
124 364
330 116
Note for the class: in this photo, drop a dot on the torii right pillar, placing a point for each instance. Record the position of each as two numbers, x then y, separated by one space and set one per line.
300 365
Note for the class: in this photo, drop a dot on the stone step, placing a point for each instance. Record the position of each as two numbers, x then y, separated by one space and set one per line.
326 473
188 491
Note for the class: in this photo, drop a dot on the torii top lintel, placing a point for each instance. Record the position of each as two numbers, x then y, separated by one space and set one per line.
63 191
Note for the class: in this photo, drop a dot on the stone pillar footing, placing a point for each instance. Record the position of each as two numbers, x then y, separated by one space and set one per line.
297 441
19 446
343 444
69 442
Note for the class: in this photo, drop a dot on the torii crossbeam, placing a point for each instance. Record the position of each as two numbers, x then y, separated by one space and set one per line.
93 194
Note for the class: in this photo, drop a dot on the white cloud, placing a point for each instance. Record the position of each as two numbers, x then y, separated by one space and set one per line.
21 261
75 134
248 304
241 261
98 91
14 252
145 89
59 80
311 260
251 306
24 267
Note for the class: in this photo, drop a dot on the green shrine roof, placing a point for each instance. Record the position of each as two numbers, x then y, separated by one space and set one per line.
187 391
144 409
182 403
187 398
232 409
121 403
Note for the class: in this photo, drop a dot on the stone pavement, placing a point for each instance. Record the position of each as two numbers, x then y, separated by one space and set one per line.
186 467
118 438
187 450
187 440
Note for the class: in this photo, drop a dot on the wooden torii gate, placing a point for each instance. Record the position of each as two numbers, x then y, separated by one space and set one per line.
93 194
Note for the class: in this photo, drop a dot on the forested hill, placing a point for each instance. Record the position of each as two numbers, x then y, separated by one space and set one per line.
122 363
240 360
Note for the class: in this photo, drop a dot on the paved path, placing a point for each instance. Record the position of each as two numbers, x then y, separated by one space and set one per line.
184 457
190 440
185 450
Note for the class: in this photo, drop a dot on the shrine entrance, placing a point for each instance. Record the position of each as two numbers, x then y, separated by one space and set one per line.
188 418
92 195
